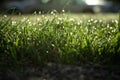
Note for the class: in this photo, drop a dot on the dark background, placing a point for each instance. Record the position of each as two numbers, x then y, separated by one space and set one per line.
114 0
115 4
21 0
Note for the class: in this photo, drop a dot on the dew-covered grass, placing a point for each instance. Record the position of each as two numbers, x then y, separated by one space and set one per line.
26 41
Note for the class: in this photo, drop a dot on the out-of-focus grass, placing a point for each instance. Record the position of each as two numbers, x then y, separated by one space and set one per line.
65 38
78 16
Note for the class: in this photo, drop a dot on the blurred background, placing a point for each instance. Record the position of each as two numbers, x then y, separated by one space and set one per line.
45 6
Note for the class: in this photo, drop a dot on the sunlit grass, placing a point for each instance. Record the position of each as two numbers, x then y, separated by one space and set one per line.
36 40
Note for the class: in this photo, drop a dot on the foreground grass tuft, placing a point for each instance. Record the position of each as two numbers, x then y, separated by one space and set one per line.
58 39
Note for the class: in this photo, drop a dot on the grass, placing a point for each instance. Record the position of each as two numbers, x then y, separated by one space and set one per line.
59 39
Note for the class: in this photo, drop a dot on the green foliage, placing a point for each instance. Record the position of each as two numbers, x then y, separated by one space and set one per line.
58 39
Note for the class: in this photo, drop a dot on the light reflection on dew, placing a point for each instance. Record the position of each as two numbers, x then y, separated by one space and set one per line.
5 16
71 33
111 28
52 12
38 19
23 27
24 19
60 19
91 19
57 22
40 12
116 21
100 21
108 25
78 23
20 32
28 20
43 16
95 21
63 11
28 38
39 24
52 45
29 23
81 21
71 20
47 51
88 21
39 29
14 22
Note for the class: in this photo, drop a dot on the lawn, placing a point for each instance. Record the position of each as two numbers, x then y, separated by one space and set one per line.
33 40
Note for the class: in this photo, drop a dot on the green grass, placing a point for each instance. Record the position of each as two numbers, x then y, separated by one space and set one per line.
59 39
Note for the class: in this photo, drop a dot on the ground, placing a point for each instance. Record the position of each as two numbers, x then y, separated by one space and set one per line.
66 72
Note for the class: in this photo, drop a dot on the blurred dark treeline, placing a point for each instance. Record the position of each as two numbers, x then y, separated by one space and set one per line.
29 6
1 1
116 1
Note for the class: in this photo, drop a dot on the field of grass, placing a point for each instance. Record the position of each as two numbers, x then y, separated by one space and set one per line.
65 39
